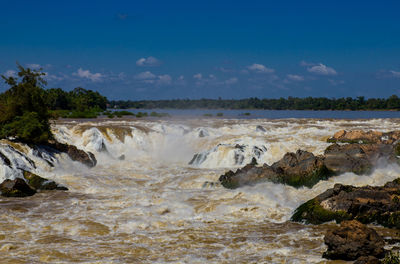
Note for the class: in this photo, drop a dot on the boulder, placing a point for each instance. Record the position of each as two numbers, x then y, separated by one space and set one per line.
379 204
296 169
16 188
38 183
74 153
357 158
353 240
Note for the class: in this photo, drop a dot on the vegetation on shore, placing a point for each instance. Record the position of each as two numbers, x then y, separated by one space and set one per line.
26 108
290 103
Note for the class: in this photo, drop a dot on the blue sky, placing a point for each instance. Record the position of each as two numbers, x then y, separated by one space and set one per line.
194 49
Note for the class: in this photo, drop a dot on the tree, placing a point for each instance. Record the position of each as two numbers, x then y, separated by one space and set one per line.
23 112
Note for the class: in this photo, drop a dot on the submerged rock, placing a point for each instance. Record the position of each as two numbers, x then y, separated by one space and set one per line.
296 169
353 240
16 188
260 128
380 204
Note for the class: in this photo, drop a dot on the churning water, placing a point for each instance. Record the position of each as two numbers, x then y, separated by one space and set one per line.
154 196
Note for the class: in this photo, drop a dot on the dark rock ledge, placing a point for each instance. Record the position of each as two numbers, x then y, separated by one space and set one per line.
27 186
305 169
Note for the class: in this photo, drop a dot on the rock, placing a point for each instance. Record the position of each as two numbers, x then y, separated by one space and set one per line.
353 240
296 169
365 137
380 204
260 129
367 260
356 158
122 157
38 183
5 160
16 188
74 153
347 158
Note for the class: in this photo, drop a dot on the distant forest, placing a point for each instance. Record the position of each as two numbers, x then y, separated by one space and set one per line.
290 103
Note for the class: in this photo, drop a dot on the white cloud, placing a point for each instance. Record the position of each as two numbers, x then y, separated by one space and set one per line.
52 77
322 69
145 76
86 74
164 79
336 82
10 73
149 61
395 74
305 64
231 81
294 77
151 78
34 66
260 68
198 76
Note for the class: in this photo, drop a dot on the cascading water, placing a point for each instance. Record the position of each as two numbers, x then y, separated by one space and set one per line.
146 200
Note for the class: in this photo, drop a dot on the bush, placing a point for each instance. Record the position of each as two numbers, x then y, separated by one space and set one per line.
140 114
220 114
155 114
27 128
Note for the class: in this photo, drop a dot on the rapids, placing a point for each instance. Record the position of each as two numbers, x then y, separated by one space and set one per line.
146 201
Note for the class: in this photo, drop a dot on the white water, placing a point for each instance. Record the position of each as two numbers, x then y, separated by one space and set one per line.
153 206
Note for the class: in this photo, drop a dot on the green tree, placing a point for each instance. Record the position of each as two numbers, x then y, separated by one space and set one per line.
23 112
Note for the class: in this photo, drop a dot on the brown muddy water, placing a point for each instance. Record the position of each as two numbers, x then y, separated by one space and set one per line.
144 203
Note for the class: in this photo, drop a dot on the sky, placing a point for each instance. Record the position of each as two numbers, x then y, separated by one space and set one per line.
206 49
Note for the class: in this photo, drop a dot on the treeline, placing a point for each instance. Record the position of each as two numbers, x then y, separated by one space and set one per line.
290 103
78 99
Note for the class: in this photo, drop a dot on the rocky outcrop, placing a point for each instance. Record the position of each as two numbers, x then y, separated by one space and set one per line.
297 169
27 186
38 183
304 169
365 137
353 240
357 158
74 153
380 204
16 188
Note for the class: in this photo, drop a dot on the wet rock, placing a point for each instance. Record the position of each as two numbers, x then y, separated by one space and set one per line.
365 137
260 129
5 160
367 260
198 159
357 158
379 204
353 240
38 183
16 188
296 169
74 153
